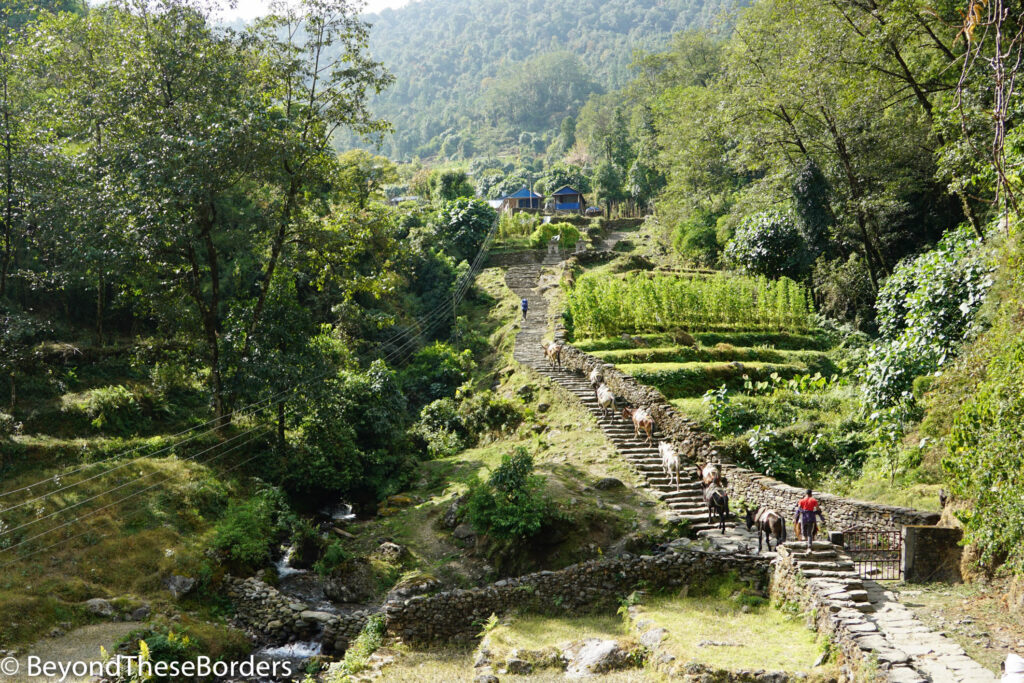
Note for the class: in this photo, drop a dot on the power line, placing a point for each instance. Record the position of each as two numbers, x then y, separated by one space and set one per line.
97 511
424 325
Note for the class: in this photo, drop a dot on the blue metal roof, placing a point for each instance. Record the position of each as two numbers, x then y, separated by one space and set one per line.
523 194
565 189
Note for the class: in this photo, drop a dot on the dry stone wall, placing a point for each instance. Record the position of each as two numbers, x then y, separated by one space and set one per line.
755 488
457 616
275 619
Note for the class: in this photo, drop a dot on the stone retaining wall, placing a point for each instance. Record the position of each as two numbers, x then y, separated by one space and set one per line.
931 554
275 619
458 615
842 625
755 488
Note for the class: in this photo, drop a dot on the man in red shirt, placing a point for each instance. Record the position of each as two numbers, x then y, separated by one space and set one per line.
807 512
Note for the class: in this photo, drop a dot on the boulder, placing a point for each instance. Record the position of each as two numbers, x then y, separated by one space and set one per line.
99 607
464 532
140 613
486 678
451 515
390 552
608 483
543 407
179 586
519 667
595 656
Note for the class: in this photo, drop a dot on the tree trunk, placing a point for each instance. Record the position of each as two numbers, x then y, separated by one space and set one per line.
99 309
280 427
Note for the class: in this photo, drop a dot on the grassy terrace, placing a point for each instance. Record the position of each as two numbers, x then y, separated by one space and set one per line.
712 630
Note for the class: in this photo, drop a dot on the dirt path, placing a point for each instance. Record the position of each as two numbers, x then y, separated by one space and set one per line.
80 645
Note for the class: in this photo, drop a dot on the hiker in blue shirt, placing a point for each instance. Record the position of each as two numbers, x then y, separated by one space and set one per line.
525 305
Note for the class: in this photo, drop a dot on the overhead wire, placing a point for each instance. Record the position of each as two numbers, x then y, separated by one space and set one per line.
424 325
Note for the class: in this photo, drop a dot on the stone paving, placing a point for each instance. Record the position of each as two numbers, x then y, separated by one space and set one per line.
906 649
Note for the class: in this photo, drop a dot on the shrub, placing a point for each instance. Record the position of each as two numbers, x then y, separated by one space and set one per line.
770 244
447 426
334 556
114 409
171 378
517 224
250 528
568 235
441 428
925 312
510 505
435 372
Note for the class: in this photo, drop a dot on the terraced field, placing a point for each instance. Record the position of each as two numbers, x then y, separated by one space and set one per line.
684 372
776 400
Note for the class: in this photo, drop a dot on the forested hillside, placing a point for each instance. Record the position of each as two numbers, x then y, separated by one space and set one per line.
472 77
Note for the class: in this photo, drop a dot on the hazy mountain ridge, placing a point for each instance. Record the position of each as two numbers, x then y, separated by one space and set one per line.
447 56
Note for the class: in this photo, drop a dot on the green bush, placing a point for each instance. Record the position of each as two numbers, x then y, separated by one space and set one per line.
250 528
925 311
115 410
770 244
334 556
435 372
447 426
510 505
984 464
568 235
517 224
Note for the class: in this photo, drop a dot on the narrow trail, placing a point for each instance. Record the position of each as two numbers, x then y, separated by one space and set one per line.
911 651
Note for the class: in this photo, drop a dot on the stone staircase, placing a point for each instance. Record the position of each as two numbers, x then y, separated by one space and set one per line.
829 574
876 623
686 500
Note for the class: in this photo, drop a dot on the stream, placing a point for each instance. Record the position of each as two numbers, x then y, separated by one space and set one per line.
306 586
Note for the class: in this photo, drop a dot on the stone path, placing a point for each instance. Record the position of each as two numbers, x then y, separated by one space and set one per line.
911 651
934 656
686 501
904 646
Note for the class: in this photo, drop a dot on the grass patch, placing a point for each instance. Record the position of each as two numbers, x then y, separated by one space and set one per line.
677 380
457 665
815 361
538 633
815 341
761 638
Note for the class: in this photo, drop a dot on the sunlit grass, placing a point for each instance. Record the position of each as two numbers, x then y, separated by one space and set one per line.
762 638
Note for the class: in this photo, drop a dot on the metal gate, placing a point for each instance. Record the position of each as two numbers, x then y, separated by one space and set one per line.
875 553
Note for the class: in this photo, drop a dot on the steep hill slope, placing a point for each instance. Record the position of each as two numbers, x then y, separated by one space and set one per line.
453 58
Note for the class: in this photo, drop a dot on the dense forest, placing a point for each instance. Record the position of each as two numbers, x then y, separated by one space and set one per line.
458 68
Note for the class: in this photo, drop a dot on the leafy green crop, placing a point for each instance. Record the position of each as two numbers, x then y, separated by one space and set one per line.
604 305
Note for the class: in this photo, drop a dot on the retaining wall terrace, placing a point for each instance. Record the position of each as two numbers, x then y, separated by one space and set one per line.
755 488
595 585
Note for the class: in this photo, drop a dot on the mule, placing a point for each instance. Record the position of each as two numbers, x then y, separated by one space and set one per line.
606 400
670 461
641 418
710 474
553 353
769 523
717 501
